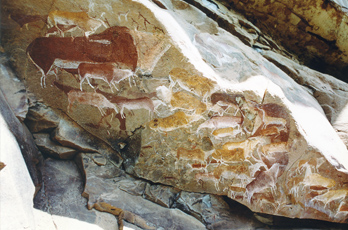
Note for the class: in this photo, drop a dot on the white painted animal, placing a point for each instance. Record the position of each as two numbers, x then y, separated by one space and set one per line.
138 103
54 31
89 98
107 72
268 120
80 19
266 179
221 122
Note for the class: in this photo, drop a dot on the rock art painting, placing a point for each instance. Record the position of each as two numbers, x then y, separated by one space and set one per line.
184 125
252 151
110 56
196 84
109 73
93 99
79 20
46 53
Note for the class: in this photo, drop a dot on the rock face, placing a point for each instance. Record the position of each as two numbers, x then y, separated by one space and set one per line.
315 30
109 188
43 141
13 89
61 197
17 188
115 192
165 91
12 113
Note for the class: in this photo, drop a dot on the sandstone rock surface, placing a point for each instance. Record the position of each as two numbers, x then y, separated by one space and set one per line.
17 188
182 100
60 196
110 189
47 146
40 118
314 30
28 148
13 89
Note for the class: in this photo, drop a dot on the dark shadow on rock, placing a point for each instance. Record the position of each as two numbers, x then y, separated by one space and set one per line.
25 140
61 195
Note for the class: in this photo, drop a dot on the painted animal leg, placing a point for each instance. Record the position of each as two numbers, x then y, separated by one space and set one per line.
81 82
83 79
110 85
132 78
101 111
60 31
89 83
113 83
122 114
43 81
69 106
115 109
108 112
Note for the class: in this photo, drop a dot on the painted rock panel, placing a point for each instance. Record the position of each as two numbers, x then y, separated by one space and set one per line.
187 104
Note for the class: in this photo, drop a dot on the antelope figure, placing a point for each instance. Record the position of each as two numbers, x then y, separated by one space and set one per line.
80 19
114 45
138 103
88 98
107 72
221 122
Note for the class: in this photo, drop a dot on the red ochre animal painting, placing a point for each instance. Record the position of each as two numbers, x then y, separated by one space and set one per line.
88 98
107 72
114 45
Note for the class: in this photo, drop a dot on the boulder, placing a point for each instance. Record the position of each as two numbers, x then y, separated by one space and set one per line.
111 190
17 188
330 93
13 89
70 134
185 103
316 31
61 198
161 194
52 149
41 118
215 212
25 139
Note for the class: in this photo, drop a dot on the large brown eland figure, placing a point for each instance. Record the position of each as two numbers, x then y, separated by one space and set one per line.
114 45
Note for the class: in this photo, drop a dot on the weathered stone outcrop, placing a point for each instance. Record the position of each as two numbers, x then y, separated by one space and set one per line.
115 192
164 90
13 112
316 31
50 148
331 94
13 89
110 188
17 188
61 198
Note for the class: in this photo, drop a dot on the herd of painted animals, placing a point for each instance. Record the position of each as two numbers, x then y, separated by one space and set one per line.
112 55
